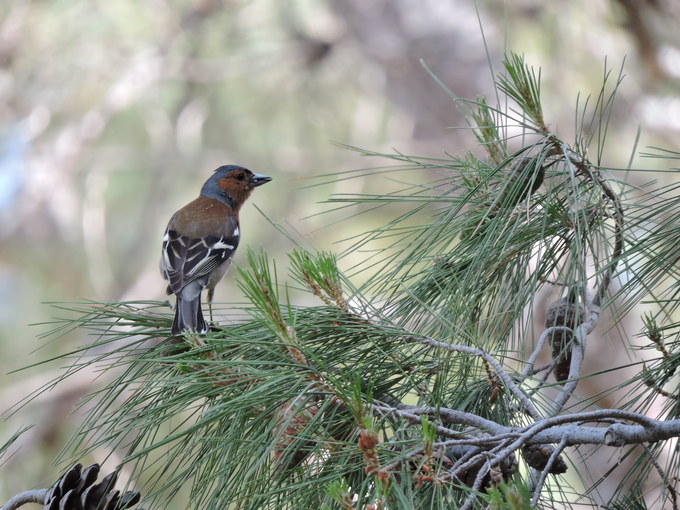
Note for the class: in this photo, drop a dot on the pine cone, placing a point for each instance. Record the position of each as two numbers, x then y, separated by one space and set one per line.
563 312
291 450
500 473
537 455
75 491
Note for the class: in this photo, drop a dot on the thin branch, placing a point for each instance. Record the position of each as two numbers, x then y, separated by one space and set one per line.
529 368
671 491
510 384
546 470
415 418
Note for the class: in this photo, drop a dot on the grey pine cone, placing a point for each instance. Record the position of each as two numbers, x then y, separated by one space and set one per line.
76 490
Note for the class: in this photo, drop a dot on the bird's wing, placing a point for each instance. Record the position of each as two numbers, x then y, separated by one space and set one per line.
185 259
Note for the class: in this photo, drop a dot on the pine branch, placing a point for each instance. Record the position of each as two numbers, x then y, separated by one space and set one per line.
410 390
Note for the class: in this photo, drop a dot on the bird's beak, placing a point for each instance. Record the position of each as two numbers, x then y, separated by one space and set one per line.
259 180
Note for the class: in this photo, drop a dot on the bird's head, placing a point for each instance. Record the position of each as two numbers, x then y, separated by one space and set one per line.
232 185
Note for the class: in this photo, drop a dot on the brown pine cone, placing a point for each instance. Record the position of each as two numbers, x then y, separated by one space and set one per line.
537 455
568 313
502 472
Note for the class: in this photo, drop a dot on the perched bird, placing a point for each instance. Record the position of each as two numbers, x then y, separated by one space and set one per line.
200 240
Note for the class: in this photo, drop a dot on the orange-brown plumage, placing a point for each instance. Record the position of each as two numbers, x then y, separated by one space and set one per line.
238 190
201 217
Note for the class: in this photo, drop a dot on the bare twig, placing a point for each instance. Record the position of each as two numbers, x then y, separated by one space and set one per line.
528 369
546 470
671 491
415 418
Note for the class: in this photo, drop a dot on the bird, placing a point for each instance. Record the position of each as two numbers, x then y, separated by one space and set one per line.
200 241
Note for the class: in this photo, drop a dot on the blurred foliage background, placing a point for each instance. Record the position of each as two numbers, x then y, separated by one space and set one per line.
113 113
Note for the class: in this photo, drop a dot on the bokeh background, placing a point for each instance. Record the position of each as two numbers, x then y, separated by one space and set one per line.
113 113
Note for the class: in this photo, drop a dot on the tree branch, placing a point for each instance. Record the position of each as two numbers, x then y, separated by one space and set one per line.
34 496
549 430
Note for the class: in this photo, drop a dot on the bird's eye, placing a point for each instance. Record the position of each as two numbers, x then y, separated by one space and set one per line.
240 177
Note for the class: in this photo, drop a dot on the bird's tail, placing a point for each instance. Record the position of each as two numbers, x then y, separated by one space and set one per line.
188 315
